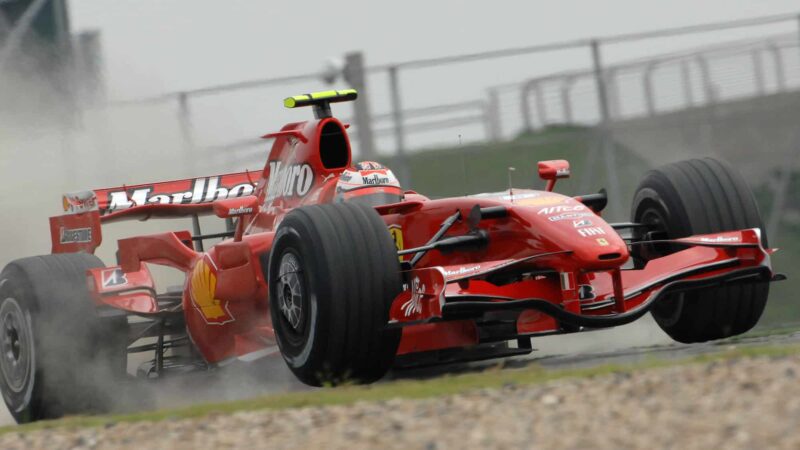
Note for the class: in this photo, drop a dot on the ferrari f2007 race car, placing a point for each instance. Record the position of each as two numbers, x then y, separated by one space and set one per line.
336 267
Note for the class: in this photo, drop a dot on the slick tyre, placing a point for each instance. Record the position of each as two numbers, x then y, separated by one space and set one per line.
56 354
701 196
333 273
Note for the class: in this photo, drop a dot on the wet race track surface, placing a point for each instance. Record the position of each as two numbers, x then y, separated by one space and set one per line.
624 345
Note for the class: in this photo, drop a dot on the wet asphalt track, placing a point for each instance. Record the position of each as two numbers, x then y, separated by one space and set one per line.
629 344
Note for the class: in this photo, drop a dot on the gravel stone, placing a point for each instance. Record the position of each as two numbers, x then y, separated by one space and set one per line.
743 403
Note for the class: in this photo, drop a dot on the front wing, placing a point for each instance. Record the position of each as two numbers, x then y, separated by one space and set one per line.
593 299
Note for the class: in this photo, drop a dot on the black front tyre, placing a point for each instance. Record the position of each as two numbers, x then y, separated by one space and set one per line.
333 273
56 355
701 196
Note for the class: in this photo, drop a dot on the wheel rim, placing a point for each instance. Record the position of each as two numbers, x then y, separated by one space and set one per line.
16 345
290 292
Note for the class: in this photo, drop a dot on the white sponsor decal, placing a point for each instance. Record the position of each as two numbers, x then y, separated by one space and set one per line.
289 180
569 216
720 239
76 236
591 231
375 180
562 172
240 211
561 209
203 190
461 271
113 278
581 223
79 202
414 304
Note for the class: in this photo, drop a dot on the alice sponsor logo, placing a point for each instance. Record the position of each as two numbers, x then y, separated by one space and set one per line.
569 216
76 236
203 190
289 180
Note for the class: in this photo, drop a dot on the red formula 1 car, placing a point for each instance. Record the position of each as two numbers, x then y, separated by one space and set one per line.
345 274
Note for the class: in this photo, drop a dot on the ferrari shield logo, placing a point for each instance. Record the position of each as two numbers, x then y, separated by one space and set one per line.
397 236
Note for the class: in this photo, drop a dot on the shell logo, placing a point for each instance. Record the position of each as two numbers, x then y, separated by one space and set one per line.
203 291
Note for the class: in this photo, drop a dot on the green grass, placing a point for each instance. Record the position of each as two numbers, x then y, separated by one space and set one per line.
494 377
472 169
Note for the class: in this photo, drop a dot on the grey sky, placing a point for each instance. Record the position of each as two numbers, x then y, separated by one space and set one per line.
157 45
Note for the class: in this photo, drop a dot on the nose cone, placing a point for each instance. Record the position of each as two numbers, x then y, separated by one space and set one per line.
570 225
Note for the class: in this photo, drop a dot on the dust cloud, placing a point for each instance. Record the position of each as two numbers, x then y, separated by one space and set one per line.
48 147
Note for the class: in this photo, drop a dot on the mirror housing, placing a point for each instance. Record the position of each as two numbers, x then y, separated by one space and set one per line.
235 207
551 171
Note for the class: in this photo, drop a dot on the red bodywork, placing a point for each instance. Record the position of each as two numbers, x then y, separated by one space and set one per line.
560 243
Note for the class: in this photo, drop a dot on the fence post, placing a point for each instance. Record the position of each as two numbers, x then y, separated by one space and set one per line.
758 72
354 74
494 132
780 75
708 86
541 106
781 192
399 133
524 100
612 88
687 83
607 144
647 80
185 123
566 102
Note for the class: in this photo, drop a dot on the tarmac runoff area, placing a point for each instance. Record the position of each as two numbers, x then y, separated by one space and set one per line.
751 400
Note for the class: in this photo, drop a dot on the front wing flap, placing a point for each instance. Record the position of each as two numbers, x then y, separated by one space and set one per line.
707 260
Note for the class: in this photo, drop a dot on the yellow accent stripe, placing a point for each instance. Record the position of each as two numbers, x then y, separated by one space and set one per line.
308 99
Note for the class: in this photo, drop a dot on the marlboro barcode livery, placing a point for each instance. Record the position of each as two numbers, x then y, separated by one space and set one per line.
334 266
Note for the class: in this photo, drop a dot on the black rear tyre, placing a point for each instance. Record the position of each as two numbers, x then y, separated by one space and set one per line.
333 273
56 354
701 196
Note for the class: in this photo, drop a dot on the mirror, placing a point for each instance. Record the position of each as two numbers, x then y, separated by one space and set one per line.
552 171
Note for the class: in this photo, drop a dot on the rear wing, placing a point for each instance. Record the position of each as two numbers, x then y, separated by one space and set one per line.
79 228
177 198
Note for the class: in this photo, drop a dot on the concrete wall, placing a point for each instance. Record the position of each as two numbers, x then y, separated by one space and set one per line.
758 135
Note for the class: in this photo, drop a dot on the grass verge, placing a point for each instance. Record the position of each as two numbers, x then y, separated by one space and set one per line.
408 389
